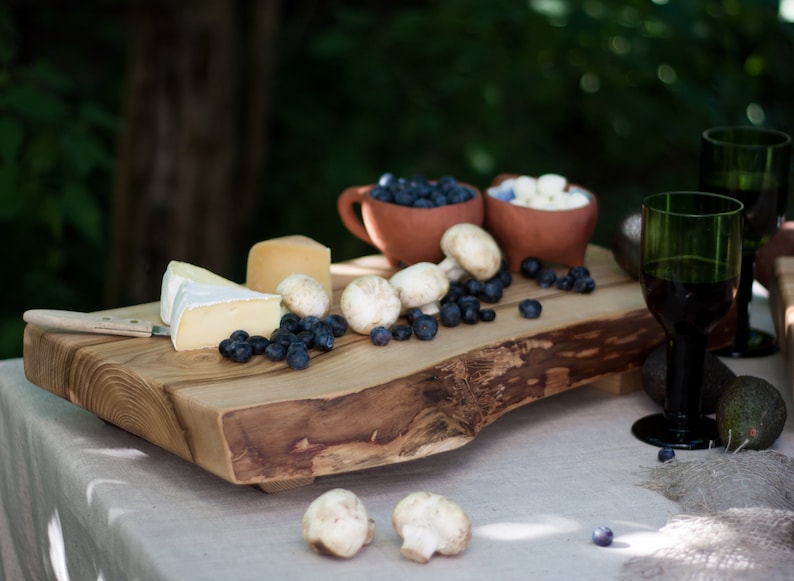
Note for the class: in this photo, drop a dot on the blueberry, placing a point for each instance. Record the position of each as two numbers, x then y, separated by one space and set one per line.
386 179
323 338
411 314
382 194
425 327
275 352
450 314
492 291
603 536
258 344
546 278
405 198
423 203
337 324
530 267
455 292
283 337
474 287
584 285
306 323
487 315
446 183
504 274
380 336
223 347
306 337
565 282
239 336
470 314
665 454
401 332
529 308
439 199
240 351
579 272
290 322
469 301
298 356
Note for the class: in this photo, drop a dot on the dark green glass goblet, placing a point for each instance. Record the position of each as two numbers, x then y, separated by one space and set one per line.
750 164
690 259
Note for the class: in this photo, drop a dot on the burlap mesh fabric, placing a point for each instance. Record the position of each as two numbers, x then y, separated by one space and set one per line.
737 519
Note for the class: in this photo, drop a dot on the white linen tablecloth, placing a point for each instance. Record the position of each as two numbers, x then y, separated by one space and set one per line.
84 500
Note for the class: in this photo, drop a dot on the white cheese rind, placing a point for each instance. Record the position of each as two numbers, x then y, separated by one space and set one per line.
205 314
178 272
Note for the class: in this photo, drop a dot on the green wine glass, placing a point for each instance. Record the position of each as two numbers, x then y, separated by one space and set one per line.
690 260
750 164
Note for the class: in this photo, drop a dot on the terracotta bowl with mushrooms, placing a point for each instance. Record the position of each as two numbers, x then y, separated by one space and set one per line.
404 235
545 217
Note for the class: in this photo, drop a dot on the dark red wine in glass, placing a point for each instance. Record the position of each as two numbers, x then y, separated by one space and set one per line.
750 164
690 261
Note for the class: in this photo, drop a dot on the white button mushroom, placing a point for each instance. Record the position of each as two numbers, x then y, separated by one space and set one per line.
421 285
336 523
430 523
469 250
304 295
370 301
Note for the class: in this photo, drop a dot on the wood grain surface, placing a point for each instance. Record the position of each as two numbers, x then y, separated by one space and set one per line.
357 406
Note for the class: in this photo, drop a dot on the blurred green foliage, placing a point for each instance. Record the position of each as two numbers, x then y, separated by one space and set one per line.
612 94
56 158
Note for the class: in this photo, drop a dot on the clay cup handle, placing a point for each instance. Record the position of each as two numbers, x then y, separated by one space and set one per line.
345 205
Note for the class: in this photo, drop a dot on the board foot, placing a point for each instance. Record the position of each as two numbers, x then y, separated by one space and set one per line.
284 485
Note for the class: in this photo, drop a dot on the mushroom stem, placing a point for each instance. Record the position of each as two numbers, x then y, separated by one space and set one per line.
452 267
419 543
430 523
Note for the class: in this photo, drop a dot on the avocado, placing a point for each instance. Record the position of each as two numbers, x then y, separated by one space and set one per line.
750 414
626 243
716 378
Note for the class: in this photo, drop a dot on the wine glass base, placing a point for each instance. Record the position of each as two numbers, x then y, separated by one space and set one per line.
759 344
658 431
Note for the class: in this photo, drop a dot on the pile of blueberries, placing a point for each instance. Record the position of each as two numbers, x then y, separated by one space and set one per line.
418 192
465 303
291 341
577 279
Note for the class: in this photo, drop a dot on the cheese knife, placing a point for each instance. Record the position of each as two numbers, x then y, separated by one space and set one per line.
94 323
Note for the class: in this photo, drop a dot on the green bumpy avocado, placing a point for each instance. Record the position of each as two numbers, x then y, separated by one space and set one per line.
716 378
750 414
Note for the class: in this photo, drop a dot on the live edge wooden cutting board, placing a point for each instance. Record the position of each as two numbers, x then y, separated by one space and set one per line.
357 406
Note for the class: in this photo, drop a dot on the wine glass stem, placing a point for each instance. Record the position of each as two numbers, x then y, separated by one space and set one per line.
744 295
685 355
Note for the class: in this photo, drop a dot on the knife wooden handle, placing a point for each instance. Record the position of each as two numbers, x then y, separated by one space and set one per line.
88 322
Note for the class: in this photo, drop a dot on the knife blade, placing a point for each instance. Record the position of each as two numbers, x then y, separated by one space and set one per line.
94 323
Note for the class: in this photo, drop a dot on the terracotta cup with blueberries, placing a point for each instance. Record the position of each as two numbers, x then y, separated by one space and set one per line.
405 218
545 217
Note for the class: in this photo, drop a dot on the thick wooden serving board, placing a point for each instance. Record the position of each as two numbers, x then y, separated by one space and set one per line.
357 406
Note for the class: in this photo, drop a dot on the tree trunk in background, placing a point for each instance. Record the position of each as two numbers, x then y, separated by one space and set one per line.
193 141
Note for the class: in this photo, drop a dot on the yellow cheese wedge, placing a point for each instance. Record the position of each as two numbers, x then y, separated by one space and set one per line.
206 314
271 261
178 272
